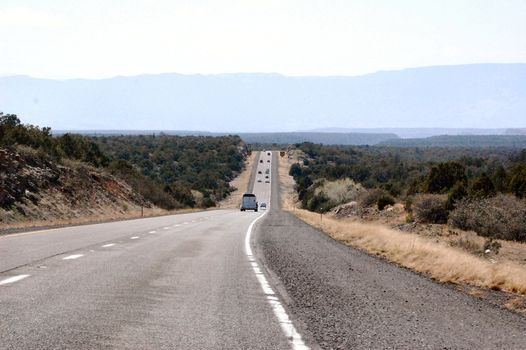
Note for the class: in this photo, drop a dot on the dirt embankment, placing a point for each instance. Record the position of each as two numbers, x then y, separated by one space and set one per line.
39 192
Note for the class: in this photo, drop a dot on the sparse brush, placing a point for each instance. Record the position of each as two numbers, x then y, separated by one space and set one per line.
502 216
430 208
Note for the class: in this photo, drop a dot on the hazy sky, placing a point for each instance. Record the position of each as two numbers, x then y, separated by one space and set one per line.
103 38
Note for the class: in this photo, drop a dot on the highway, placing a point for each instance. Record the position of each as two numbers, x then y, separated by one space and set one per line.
173 282
226 279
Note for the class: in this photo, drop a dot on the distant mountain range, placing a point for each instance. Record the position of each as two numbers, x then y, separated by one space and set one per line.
491 96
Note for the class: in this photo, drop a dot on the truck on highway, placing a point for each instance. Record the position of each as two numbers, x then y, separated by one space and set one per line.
249 202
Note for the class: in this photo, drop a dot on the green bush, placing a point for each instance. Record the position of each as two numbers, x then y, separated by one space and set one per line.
518 181
482 187
455 194
384 201
444 176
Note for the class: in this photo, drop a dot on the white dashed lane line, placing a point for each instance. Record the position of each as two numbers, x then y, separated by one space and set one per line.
13 279
134 237
108 245
166 228
152 232
72 257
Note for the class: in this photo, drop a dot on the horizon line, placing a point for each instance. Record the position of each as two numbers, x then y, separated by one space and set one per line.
14 75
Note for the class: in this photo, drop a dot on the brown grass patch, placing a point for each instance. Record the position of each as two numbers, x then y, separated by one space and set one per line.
432 257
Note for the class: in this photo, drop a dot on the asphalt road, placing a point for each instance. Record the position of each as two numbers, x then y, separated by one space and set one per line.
201 281
173 282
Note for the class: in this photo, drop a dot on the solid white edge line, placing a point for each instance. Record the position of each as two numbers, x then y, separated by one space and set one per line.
283 318
13 279
74 256
108 245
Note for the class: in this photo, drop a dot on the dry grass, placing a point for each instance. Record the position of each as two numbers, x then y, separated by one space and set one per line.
434 258
286 183
241 184
517 304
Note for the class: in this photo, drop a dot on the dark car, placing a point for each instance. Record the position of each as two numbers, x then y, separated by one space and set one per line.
261 160
268 161
259 172
263 206
266 176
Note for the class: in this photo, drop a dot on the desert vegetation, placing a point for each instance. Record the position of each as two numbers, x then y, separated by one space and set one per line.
477 189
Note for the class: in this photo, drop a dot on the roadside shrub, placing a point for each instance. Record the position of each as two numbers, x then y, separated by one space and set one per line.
341 191
371 197
319 203
208 202
502 216
455 194
518 181
384 201
430 208
482 187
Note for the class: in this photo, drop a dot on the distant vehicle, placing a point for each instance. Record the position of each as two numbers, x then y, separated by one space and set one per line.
267 171
259 172
261 160
267 181
268 154
266 176
263 206
268 161
249 202
259 180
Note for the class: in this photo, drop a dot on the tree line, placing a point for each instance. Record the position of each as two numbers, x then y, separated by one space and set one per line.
169 171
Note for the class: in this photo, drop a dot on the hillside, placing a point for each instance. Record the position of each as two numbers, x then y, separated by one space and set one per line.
35 189
73 178
484 141
463 96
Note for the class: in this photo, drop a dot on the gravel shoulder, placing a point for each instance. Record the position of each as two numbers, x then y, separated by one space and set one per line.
341 298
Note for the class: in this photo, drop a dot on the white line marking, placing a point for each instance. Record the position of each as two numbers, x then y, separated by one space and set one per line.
152 232
185 223
13 279
108 245
177 225
284 320
134 237
166 228
74 256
